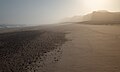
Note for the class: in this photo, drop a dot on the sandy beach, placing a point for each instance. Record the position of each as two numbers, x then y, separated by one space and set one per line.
61 48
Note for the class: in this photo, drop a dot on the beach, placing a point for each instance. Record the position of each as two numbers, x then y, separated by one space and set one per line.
61 48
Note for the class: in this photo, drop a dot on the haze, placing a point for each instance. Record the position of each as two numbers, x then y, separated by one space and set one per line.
49 11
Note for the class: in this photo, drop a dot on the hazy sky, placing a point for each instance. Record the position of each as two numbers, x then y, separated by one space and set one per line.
49 11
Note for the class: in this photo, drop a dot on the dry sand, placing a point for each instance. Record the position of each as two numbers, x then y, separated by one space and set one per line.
85 48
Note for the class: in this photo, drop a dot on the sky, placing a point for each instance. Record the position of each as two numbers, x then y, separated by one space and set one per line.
50 11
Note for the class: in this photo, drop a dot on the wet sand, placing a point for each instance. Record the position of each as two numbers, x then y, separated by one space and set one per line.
29 50
63 48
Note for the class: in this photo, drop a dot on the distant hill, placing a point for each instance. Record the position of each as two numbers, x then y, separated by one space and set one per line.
99 17
104 16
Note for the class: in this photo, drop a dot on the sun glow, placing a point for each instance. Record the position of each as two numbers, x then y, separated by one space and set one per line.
96 4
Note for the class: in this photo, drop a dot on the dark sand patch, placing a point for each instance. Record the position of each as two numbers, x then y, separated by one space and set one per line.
22 51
